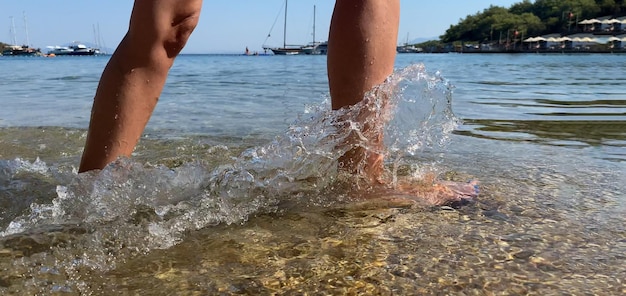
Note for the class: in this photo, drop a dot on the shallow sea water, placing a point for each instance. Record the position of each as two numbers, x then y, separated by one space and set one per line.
249 203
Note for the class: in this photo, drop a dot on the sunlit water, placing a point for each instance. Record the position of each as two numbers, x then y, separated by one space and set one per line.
234 188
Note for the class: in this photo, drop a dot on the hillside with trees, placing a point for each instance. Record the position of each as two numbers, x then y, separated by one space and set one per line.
528 18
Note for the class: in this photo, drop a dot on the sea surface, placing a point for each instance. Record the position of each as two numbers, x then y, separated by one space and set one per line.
234 187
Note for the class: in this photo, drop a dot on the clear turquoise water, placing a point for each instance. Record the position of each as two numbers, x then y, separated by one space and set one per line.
545 135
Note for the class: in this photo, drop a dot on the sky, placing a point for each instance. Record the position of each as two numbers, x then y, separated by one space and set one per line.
225 26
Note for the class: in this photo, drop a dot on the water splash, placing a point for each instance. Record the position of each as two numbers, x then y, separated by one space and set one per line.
423 118
129 208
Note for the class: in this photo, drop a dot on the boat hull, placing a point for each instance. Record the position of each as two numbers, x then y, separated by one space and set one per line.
286 51
80 53
73 50
409 49
317 49
21 51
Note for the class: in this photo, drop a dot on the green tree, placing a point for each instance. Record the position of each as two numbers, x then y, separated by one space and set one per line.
530 18
492 24
522 7
611 6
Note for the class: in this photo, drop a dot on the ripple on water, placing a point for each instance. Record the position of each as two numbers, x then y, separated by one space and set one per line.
214 216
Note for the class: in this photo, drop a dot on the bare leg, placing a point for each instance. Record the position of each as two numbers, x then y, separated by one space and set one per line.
133 79
361 55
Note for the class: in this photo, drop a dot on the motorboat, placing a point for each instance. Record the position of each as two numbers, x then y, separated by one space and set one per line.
75 49
316 48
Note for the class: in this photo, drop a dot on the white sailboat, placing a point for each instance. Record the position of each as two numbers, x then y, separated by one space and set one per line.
20 50
286 49
408 48
315 47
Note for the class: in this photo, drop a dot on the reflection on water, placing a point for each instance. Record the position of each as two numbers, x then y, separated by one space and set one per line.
545 100
586 104
574 120
593 133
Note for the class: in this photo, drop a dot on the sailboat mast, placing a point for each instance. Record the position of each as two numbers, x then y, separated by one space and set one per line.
285 28
313 24
101 43
95 36
26 29
13 31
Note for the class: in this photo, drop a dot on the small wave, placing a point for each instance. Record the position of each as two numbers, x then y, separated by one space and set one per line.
70 77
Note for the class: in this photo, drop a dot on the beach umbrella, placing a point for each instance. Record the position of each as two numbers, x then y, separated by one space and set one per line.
589 21
609 21
564 38
553 39
613 38
531 39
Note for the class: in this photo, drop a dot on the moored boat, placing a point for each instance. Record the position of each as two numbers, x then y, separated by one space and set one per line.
409 49
316 48
286 49
20 50
75 49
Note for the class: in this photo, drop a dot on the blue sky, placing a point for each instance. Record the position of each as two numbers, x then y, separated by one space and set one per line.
225 26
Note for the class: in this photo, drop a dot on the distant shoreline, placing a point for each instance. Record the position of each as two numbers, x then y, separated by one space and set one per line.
459 52
578 52
546 51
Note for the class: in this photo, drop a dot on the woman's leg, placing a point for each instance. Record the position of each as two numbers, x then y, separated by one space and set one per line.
361 55
133 79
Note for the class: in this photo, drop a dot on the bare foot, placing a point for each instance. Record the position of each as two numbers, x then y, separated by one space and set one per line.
366 157
425 191
440 192
365 153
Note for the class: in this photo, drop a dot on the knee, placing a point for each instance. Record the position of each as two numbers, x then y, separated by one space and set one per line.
180 30
162 28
